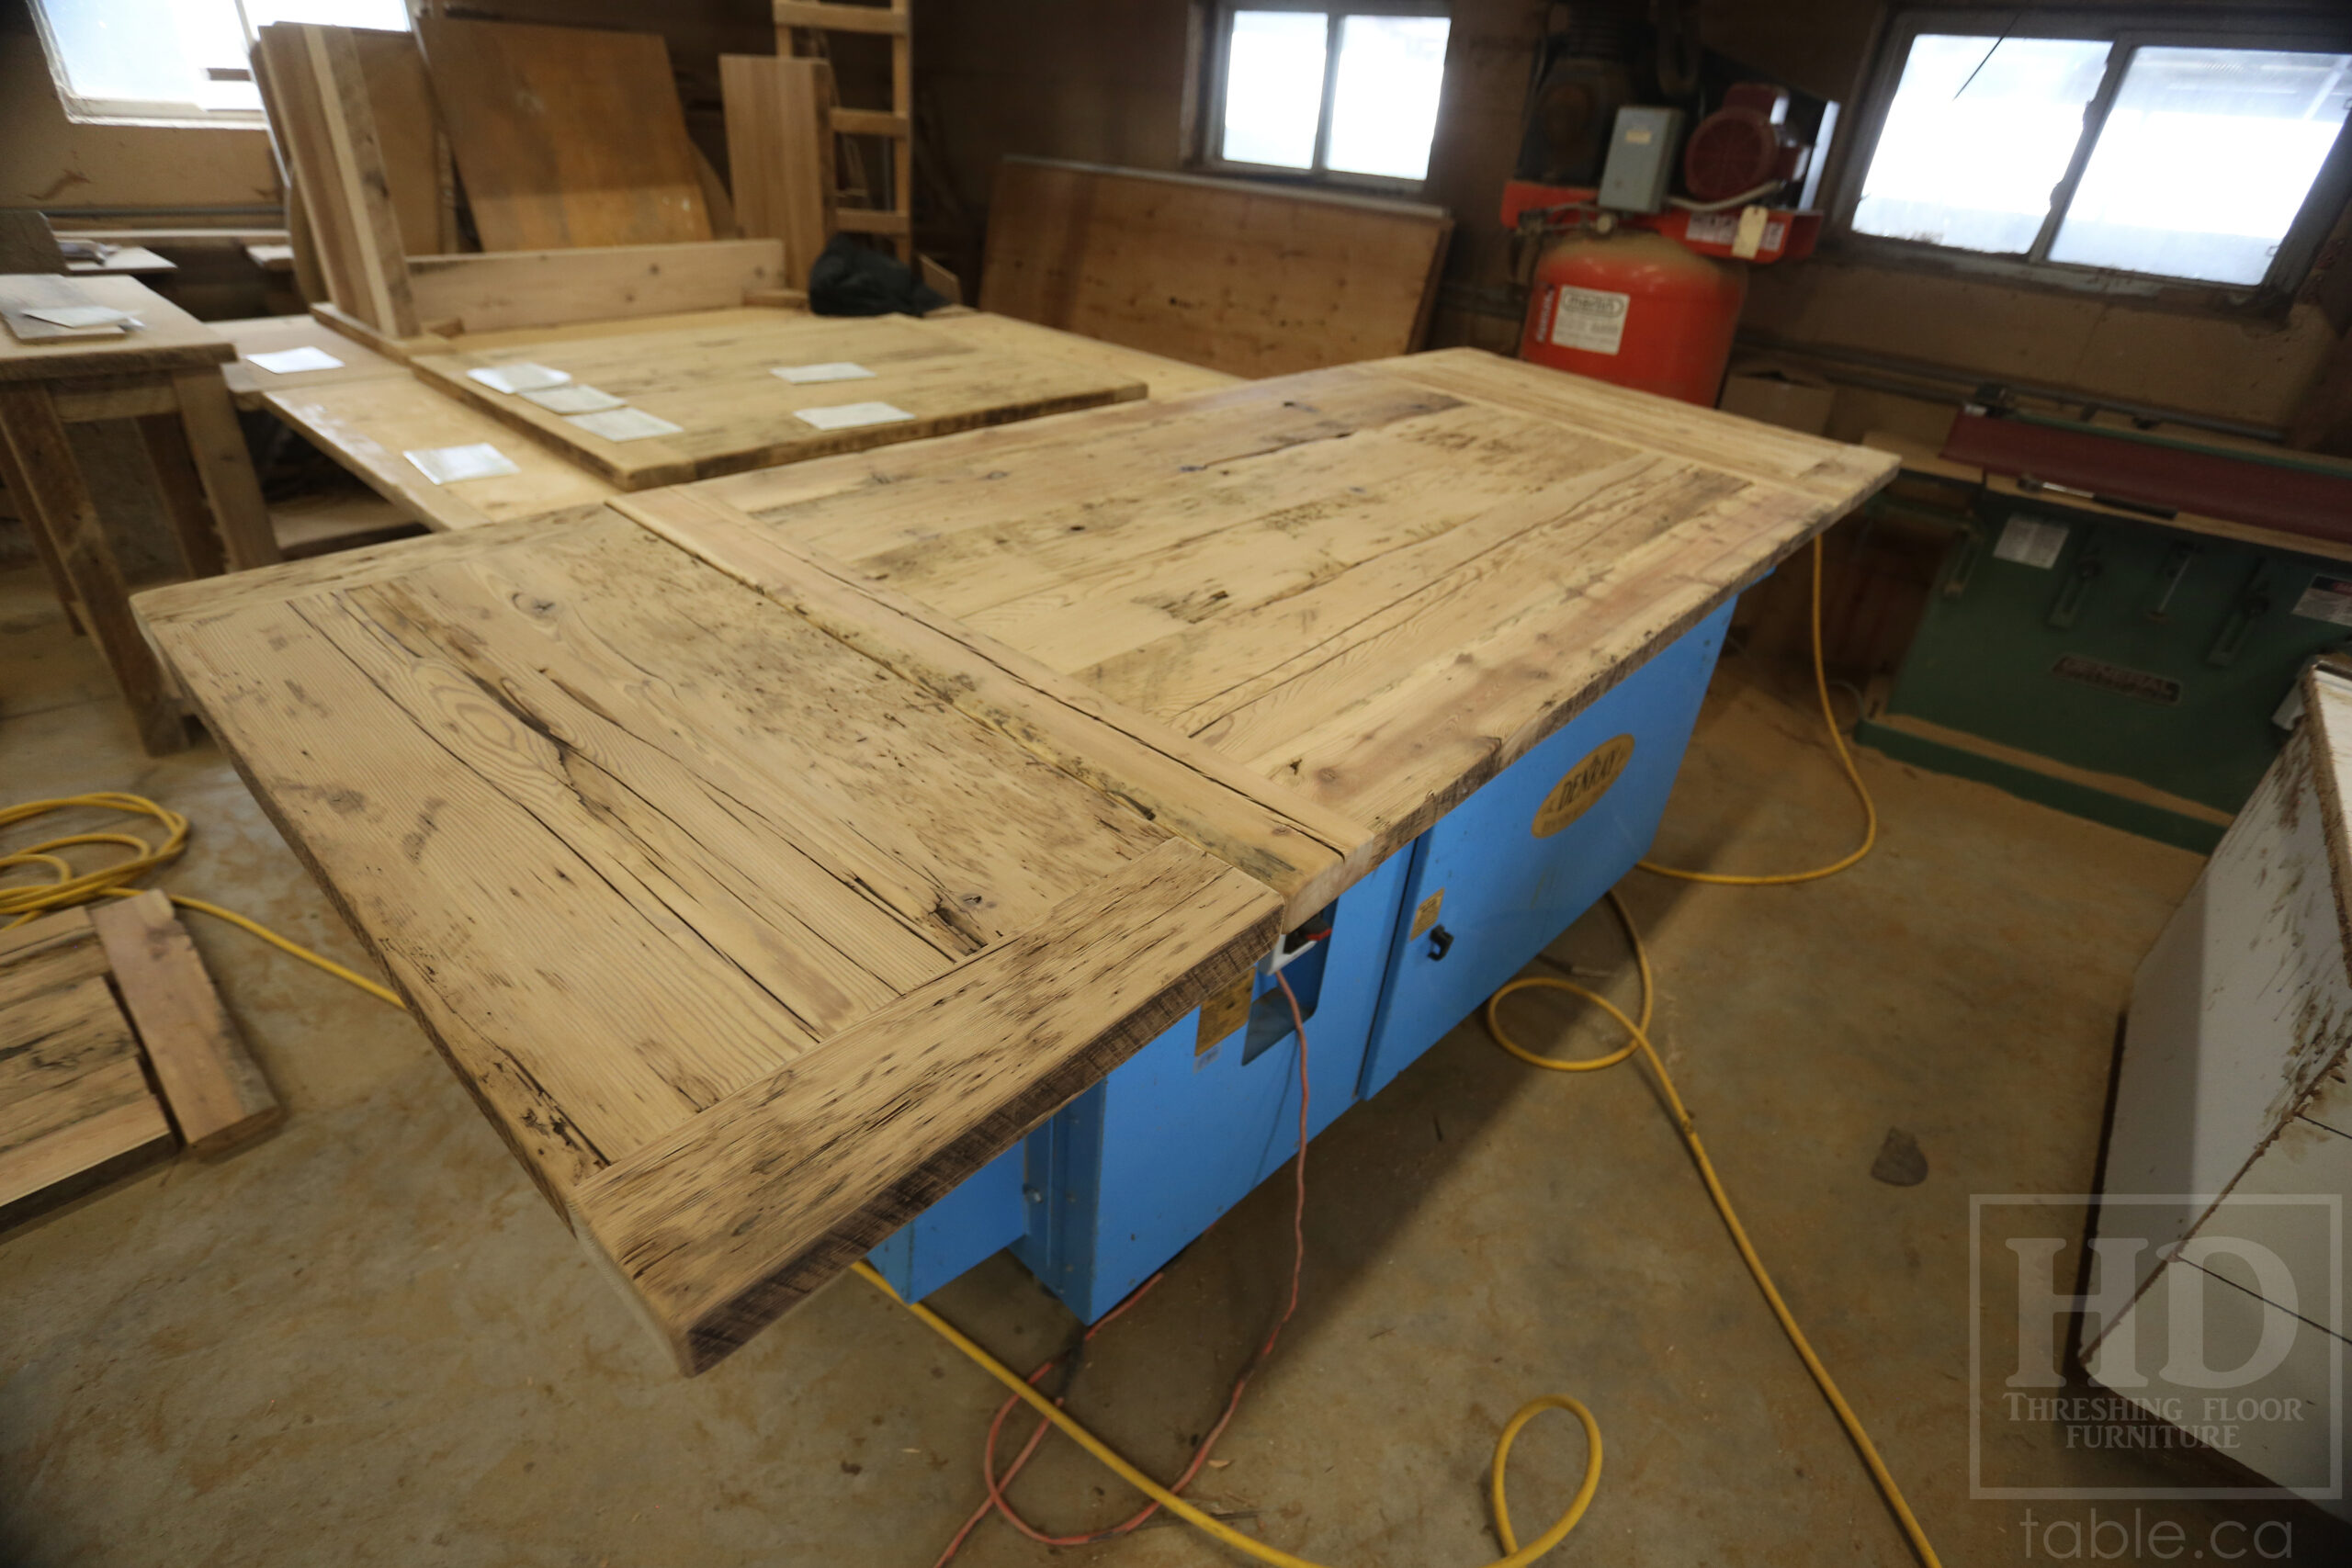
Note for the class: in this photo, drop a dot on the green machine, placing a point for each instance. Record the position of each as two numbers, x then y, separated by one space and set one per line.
2088 647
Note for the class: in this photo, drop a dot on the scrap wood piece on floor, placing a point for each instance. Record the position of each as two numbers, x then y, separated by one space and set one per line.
216 1095
76 1110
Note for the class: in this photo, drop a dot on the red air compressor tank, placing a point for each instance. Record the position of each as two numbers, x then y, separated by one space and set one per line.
1634 307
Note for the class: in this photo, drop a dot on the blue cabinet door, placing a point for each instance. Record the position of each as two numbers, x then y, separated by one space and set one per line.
1128 1173
1507 870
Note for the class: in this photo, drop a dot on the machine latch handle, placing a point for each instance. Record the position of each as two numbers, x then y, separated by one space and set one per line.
1440 942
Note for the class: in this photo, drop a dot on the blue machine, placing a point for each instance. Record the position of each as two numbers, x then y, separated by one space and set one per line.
1502 874
1130 1172
1125 1175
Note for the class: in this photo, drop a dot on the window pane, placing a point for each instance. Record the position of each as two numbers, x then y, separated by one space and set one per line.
149 56
1384 104
2204 162
1274 87
1978 134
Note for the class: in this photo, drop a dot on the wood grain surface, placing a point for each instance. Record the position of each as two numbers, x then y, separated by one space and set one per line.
1373 586
366 423
1250 278
169 340
217 1096
565 136
716 384
74 1107
633 837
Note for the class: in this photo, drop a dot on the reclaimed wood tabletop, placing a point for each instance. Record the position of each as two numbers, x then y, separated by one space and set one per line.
1367 589
719 387
748 946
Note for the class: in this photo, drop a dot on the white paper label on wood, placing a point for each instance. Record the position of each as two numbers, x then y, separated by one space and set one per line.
623 424
1589 318
287 361
575 400
839 370
2030 541
848 416
448 465
521 377
80 315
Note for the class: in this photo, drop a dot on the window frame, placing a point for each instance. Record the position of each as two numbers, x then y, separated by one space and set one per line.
2127 32
1220 50
177 116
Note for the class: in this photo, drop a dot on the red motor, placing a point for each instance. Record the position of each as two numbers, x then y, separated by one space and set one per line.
1742 146
1634 307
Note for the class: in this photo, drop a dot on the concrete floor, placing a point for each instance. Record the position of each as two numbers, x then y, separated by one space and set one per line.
367 1341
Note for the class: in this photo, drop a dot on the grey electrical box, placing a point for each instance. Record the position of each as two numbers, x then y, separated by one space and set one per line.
1641 159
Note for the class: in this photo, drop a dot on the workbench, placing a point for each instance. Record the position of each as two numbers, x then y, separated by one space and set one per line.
163 374
776 857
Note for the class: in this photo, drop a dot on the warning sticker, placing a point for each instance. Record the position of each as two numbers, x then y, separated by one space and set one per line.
2327 599
1425 916
1723 228
1589 318
2030 541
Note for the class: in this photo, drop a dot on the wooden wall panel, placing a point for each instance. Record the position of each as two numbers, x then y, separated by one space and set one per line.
1251 279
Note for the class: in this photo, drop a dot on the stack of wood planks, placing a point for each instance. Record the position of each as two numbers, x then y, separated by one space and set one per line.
81 992
567 146
1251 279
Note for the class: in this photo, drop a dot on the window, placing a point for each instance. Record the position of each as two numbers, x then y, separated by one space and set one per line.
175 61
2107 156
1346 91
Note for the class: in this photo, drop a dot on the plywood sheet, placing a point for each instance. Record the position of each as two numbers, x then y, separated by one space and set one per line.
1369 588
1248 278
748 945
565 136
718 386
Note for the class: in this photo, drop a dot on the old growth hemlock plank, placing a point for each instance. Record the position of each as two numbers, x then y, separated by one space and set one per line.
726 1224
1252 279
1828 470
76 1110
516 290
931 492
716 384
1304 853
1163 377
218 1097
631 835
366 425
1372 587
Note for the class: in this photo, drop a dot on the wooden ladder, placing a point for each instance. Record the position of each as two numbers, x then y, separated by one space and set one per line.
796 21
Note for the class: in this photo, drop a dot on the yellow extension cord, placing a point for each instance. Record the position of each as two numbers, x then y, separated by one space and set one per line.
29 902
1845 761
22 903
